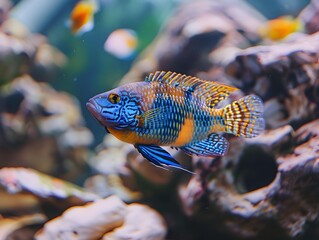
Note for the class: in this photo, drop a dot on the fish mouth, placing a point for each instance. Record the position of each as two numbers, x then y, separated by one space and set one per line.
94 108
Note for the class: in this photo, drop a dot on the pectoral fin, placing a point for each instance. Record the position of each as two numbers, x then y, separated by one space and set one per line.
159 157
214 145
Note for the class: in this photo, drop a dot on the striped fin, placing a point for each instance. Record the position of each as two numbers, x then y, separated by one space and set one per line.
244 117
214 145
211 92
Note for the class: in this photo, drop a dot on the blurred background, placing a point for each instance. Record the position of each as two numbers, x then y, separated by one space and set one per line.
90 69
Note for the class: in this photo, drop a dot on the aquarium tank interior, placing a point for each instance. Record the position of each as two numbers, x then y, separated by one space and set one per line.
159 119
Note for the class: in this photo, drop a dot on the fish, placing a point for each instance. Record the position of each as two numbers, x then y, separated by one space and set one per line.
121 43
176 110
82 16
279 28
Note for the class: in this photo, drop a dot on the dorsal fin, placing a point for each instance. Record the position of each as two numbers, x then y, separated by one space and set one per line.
211 92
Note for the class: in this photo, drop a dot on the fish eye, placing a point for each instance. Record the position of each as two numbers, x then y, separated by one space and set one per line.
114 98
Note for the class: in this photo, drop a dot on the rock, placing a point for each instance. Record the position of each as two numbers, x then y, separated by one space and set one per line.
25 53
22 179
141 222
284 75
270 182
89 222
8 226
110 161
111 184
35 117
110 218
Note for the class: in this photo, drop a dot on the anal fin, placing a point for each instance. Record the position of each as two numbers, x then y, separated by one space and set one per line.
159 157
214 145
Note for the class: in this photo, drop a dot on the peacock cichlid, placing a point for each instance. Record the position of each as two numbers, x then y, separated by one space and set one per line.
170 109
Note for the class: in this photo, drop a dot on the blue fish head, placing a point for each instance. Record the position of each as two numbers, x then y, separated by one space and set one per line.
117 109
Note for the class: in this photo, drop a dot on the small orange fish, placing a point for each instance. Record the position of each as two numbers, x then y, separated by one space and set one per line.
121 43
82 16
279 28
170 109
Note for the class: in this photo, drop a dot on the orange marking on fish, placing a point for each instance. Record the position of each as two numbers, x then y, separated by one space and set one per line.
186 133
130 136
176 93
217 127
127 136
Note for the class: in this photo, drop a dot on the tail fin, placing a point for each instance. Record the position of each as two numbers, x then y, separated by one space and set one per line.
244 117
